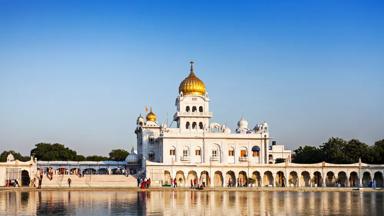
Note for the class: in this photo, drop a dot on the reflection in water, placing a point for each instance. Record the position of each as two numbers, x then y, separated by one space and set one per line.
190 203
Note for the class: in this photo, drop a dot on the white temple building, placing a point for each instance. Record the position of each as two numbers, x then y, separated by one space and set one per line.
195 150
196 143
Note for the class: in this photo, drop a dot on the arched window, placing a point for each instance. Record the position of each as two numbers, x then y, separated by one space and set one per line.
243 152
270 158
231 152
185 152
201 125
151 156
187 125
194 125
194 109
198 151
172 151
187 109
255 151
214 153
151 139
200 109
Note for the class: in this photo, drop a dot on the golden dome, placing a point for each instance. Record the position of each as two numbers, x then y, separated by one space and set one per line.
192 85
151 116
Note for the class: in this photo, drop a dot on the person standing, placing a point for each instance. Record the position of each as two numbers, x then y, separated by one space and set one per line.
40 180
69 181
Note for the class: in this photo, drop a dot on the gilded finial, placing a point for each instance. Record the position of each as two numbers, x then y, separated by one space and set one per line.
191 62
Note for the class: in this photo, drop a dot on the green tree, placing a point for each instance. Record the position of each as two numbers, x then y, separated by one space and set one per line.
96 158
279 160
80 158
51 152
378 152
16 155
118 155
308 154
333 150
337 150
354 150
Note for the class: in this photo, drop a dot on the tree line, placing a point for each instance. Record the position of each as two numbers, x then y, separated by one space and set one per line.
340 151
58 152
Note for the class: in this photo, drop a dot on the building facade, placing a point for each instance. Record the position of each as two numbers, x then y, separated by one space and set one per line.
14 172
196 141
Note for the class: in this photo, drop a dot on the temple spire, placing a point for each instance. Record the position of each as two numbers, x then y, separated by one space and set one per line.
191 70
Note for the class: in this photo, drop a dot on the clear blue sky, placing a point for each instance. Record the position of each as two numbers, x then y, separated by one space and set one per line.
80 72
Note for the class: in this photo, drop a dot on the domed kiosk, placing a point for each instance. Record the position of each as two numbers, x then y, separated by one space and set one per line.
132 162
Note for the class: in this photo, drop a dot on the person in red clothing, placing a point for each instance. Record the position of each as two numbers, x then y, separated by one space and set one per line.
142 186
148 182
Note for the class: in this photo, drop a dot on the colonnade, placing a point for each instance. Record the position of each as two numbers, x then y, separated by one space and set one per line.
273 178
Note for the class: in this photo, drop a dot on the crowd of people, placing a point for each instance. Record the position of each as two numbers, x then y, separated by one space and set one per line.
195 184
143 183
12 183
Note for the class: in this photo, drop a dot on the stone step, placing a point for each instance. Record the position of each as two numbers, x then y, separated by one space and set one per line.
90 181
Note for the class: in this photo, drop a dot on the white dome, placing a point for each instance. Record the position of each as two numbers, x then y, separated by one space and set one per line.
132 157
242 124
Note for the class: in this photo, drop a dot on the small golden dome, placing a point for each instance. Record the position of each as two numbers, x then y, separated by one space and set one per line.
192 85
151 116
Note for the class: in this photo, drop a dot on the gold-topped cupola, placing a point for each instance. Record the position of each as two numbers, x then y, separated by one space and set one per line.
192 85
151 116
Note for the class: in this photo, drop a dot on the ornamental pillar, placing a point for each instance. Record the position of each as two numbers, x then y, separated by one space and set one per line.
360 181
261 181
310 180
286 178
299 176
348 178
274 180
323 180
338 181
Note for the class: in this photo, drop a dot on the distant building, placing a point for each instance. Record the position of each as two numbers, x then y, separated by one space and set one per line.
14 172
277 152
